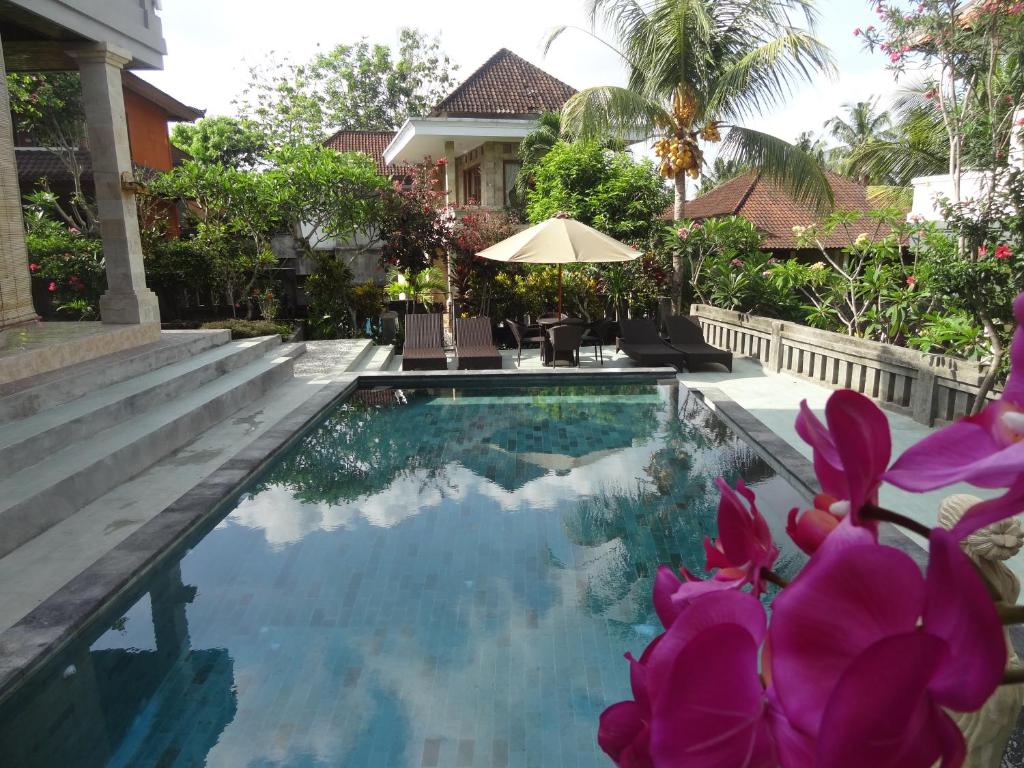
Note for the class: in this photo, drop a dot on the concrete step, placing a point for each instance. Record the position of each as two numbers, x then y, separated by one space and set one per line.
28 441
30 396
377 358
52 490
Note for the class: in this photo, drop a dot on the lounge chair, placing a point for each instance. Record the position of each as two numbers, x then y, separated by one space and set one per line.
566 338
474 344
686 336
424 344
525 334
640 341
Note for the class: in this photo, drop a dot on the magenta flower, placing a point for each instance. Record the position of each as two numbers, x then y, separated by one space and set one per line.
809 528
699 700
852 453
866 653
986 450
740 555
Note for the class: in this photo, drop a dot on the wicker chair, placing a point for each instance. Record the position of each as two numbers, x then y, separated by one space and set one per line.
474 344
595 335
566 338
525 334
424 344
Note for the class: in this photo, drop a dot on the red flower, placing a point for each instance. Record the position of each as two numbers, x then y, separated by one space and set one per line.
911 281
1003 252
982 251
51 287
33 267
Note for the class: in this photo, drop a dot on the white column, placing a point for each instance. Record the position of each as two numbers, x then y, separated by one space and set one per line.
15 279
449 173
127 299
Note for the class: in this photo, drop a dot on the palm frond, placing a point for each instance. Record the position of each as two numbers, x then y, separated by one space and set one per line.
797 172
612 111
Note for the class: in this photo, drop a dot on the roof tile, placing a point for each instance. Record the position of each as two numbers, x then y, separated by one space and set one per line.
774 212
372 143
505 85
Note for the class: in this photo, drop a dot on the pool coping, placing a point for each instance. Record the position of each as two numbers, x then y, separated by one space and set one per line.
57 621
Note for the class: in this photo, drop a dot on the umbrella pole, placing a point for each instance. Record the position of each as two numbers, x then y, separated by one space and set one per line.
559 291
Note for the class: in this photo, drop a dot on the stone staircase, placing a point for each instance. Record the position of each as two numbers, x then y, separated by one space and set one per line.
70 436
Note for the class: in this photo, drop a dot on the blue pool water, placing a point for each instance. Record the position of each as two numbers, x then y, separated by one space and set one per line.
426 578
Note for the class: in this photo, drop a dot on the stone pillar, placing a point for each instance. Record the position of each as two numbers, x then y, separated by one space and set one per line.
490 180
15 279
451 198
127 299
775 348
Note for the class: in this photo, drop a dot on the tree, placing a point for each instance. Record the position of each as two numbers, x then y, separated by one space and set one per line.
696 68
812 145
48 107
532 149
605 189
862 123
230 141
365 86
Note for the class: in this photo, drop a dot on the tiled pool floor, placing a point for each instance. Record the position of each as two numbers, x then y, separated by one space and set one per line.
446 580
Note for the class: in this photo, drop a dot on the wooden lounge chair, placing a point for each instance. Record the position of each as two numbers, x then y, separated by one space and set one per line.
474 344
424 344
642 344
686 336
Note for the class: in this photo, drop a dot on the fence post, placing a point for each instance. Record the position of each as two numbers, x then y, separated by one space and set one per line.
775 348
922 397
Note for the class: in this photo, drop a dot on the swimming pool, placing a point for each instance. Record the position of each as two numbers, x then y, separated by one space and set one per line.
427 577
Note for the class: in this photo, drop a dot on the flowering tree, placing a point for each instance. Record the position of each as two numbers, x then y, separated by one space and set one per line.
867 654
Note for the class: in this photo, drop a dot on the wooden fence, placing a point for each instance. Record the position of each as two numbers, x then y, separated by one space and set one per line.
932 389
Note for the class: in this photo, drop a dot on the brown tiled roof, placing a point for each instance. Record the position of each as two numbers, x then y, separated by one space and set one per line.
506 85
372 143
774 212
175 109
34 163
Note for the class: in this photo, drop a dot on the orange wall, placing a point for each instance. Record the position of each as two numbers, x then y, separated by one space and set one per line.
147 132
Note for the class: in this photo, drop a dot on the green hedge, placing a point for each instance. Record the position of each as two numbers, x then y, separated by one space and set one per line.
248 329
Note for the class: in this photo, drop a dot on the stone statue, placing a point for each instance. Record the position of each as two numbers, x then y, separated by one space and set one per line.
988 730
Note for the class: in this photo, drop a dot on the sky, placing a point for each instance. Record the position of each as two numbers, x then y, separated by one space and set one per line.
211 44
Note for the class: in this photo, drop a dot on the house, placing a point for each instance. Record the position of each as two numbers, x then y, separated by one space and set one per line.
147 110
775 213
474 132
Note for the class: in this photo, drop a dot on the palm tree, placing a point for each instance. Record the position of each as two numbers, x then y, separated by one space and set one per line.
695 67
863 123
532 149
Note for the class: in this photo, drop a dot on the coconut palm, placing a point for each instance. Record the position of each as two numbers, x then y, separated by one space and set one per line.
695 68
861 124
532 149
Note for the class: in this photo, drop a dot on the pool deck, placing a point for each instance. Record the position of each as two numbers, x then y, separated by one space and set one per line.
45 571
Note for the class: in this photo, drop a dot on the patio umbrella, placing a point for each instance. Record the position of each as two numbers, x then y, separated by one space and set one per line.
559 240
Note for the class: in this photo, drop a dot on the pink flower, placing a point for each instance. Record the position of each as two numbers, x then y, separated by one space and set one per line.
74 230
740 555
986 450
33 267
856 32
51 287
696 682
1003 252
982 251
894 56
683 233
852 453
866 653
736 262
911 281
809 529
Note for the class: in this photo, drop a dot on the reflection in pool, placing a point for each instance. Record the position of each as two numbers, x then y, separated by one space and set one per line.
427 578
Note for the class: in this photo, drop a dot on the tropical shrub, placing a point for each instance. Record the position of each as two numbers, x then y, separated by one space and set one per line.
249 329
603 188
69 265
329 288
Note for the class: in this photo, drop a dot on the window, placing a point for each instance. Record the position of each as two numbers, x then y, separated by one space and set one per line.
471 185
511 171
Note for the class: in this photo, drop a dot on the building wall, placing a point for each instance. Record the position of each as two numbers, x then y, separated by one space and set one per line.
490 157
147 132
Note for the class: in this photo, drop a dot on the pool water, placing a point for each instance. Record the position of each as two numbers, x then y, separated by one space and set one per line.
426 578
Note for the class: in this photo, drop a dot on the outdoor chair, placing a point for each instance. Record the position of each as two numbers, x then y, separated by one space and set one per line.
640 341
566 338
553 316
424 344
686 336
595 336
474 344
388 324
525 334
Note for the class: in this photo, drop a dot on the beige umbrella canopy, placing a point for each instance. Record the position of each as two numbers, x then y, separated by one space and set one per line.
559 240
